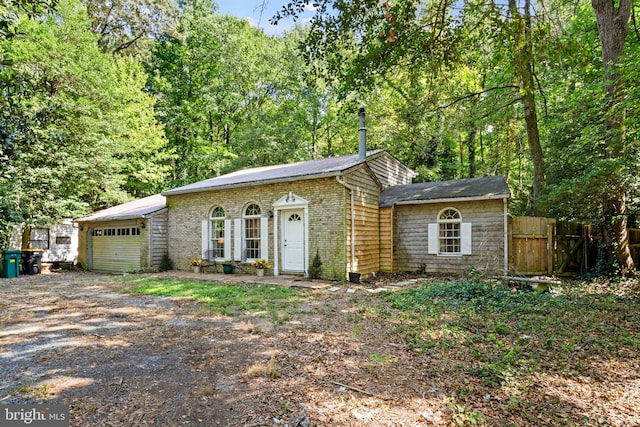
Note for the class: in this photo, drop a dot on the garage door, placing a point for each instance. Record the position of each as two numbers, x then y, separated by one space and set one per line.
116 249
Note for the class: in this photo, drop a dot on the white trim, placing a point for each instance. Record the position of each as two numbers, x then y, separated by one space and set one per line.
506 236
227 239
288 202
205 238
449 200
433 239
237 239
264 238
465 238
306 241
276 252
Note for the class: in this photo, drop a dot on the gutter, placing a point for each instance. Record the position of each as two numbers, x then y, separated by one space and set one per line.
121 218
506 236
447 200
353 219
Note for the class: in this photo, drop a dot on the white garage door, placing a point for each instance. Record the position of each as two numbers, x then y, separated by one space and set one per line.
116 249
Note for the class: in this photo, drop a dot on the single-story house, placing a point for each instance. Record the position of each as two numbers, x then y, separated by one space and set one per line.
288 214
359 213
124 238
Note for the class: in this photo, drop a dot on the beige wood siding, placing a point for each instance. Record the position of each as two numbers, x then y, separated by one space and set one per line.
390 171
487 237
367 222
159 239
326 219
387 259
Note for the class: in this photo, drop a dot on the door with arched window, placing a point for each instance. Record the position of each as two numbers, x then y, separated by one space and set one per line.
293 240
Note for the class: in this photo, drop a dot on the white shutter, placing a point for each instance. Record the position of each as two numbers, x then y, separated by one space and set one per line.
205 238
433 238
237 239
264 238
465 238
227 239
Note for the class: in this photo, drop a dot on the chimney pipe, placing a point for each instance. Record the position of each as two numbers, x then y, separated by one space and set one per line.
362 148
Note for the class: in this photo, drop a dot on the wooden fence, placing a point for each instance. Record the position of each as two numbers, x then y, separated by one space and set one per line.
531 245
544 246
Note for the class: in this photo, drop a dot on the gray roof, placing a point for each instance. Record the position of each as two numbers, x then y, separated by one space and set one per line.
287 172
490 187
140 208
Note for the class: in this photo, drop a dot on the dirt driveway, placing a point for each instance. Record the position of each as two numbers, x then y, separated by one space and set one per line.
128 360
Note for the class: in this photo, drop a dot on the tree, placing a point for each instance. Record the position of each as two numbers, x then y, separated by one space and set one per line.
86 137
128 25
613 25
365 43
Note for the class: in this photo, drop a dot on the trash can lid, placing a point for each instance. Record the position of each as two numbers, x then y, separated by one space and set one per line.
12 251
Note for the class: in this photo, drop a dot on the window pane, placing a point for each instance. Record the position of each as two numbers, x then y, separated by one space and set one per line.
217 230
252 210
252 237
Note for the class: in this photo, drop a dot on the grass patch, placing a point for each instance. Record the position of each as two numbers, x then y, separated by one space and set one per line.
224 299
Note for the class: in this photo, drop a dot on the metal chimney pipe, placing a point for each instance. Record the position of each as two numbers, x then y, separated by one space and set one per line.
362 148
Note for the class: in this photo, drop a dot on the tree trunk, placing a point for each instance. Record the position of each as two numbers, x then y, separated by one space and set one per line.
524 71
471 148
613 26
26 235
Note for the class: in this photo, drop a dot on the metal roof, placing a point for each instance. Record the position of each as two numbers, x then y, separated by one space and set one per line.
286 172
140 208
490 187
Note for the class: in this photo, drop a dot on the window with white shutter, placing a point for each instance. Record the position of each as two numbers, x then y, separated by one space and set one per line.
449 236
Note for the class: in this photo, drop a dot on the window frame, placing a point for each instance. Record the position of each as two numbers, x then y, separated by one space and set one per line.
252 232
449 225
217 231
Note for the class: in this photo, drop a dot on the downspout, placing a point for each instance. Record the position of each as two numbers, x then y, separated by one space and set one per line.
506 237
353 219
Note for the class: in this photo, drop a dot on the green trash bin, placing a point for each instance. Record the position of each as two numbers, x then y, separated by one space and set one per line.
11 263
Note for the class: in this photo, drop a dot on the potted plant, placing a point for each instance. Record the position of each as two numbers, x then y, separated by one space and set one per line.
260 265
227 267
196 263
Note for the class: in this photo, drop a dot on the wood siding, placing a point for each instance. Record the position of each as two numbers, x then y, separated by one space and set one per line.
390 171
159 239
388 262
487 238
367 222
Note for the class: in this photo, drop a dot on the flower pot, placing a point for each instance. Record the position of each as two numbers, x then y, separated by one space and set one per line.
354 277
260 272
196 269
227 268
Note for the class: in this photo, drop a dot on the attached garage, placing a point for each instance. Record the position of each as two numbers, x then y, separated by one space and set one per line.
125 238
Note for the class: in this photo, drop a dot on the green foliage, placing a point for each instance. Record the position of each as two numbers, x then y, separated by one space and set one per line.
504 335
166 264
79 132
128 25
315 270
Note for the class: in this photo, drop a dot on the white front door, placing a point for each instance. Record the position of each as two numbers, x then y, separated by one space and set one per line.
293 240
